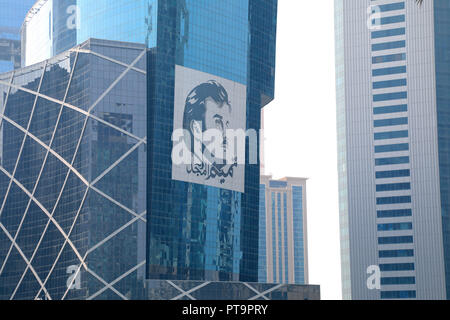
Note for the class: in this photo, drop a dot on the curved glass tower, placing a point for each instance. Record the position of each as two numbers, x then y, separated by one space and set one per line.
87 148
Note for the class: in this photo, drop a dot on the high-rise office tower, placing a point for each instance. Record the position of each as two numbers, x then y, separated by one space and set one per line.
12 14
392 76
94 202
73 175
283 247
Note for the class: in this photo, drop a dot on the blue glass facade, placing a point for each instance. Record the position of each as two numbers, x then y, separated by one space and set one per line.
262 264
72 176
442 53
71 22
396 203
64 28
285 238
234 40
280 243
283 244
12 14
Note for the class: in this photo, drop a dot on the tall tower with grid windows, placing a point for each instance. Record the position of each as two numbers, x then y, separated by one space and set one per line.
392 77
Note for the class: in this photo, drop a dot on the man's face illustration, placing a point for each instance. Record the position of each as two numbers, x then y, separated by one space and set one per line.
218 117
210 136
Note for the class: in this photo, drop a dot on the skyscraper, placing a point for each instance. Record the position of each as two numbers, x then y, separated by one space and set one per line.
12 14
392 77
73 175
283 246
93 202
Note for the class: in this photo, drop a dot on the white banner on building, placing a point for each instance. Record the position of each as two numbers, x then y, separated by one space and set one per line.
209 130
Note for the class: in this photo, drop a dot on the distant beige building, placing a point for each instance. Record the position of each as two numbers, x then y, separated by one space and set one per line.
283 253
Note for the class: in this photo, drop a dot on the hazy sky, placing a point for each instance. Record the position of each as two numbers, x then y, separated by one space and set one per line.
300 128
